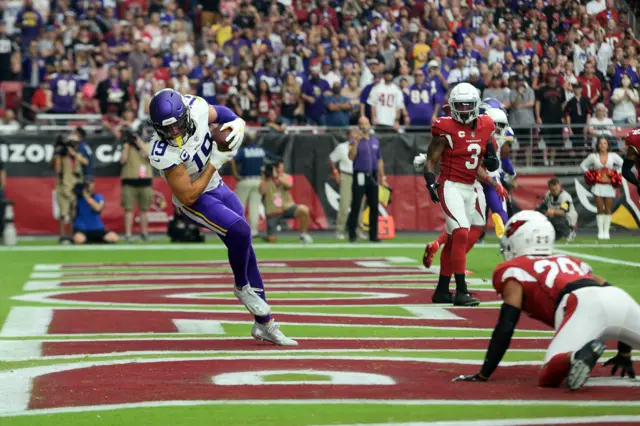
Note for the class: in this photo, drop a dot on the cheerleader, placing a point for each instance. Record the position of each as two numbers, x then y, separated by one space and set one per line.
602 169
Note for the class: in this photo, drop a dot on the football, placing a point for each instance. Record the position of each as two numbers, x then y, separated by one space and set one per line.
219 137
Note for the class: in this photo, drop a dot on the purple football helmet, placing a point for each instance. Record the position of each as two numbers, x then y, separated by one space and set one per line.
490 103
170 116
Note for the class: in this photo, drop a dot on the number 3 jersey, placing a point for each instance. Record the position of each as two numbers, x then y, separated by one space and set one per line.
195 150
465 147
543 279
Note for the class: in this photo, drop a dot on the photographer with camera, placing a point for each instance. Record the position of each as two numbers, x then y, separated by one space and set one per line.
136 178
71 164
275 187
559 209
87 224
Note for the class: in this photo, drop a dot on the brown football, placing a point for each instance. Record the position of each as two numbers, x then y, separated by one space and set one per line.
220 139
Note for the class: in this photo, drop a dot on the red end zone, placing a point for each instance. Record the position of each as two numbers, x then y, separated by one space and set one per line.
168 380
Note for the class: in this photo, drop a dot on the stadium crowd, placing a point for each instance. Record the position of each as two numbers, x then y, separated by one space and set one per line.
278 63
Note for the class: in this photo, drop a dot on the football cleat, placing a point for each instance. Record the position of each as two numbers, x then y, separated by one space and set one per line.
582 362
306 238
429 252
270 332
465 299
442 297
252 301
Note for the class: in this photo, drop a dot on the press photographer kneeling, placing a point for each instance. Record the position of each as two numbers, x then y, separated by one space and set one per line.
87 225
275 186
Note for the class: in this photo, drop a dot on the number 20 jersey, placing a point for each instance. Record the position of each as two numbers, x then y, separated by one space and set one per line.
542 279
195 150
465 147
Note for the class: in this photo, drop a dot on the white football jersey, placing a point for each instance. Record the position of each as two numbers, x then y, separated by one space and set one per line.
195 150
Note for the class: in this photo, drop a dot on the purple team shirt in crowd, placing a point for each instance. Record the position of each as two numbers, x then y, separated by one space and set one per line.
315 89
63 91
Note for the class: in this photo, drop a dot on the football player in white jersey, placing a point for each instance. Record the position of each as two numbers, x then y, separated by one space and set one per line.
188 160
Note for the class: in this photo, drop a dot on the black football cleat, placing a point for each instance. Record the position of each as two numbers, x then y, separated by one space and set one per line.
465 299
582 362
442 297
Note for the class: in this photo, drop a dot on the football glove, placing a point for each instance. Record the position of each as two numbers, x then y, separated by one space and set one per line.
237 133
474 378
624 363
419 160
502 193
218 158
433 191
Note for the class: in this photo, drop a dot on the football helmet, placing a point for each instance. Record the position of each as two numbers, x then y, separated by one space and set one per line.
527 233
170 117
500 120
490 103
464 102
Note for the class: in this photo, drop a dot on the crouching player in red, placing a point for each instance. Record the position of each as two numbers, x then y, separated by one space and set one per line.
562 292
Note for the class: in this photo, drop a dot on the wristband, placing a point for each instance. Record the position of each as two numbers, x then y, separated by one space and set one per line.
430 178
224 114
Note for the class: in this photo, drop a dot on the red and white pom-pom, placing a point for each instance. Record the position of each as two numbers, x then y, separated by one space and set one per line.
591 177
616 178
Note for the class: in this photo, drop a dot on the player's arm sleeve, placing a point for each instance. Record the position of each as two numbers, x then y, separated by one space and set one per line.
491 160
500 339
565 202
507 166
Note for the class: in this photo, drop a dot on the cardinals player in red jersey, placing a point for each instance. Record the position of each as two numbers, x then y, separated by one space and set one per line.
461 145
562 292
633 158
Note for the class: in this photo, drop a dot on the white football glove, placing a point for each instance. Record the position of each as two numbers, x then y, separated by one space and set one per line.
419 160
237 133
217 158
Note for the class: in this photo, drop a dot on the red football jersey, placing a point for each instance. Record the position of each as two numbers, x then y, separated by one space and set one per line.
633 142
542 278
466 147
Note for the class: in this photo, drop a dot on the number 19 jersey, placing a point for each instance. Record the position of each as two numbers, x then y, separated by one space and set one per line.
542 279
465 147
195 151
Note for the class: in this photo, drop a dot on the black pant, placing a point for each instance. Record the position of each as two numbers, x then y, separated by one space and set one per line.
561 226
370 189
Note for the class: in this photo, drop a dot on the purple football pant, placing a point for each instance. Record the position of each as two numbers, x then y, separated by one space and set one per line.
494 203
220 211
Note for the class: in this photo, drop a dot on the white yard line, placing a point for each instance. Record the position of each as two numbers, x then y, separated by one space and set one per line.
600 258
27 321
271 247
253 403
517 421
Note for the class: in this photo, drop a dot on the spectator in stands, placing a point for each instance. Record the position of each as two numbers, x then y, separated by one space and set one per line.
600 125
138 58
9 124
33 71
274 122
136 176
496 91
266 101
352 92
387 103
9 55
292 105
63 90
375 68
338 107
275 188
436 80
460 73
625 98
623 68
313 93
30 23
112 93
180 81
246 166
577 113
548 109
87 225
591 83
420 101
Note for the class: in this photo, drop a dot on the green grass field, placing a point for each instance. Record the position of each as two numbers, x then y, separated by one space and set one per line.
113 340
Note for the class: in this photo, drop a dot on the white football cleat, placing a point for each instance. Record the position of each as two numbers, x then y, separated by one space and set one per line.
270 332
306 238
252 301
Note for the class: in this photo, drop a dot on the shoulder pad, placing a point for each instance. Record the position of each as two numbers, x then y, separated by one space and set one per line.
163 156
441 126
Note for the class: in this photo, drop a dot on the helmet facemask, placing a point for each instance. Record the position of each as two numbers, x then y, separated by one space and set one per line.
465 111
